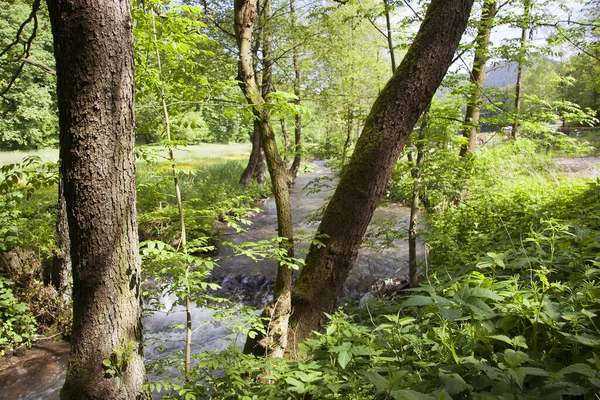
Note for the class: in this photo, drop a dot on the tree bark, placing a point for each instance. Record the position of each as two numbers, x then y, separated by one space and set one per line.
416 172
93 47
256 167
365 179
477 78
274 342
63 277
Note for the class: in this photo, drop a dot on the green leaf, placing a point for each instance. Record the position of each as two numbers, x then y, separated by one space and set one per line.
453 383
485 293
297 386
588 340
502 338
381 384
582 369
534 371
518 375
405 394
344 358
515 358
417 301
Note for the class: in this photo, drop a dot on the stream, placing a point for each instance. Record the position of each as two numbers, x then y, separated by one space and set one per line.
39 374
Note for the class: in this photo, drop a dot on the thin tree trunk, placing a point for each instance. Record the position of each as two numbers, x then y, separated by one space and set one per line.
274 342
297 83
349 128
477 78
93 47
286 143
417 172
256 168
386 5
365 179
183 238
521 67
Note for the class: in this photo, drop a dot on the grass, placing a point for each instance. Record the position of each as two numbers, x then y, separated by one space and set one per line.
191 155
11 157
592 136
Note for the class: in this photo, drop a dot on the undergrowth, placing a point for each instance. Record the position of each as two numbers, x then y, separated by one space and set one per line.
507 309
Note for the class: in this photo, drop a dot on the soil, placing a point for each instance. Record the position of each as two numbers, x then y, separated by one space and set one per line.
580 167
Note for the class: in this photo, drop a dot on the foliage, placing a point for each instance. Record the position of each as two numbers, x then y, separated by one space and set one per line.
28 111
177 33
28 199
117 362
209 194
17 325
509 307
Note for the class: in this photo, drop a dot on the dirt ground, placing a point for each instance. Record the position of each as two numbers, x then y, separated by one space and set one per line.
588 167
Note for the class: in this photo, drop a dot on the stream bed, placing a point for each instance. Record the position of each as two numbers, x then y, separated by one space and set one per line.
40 374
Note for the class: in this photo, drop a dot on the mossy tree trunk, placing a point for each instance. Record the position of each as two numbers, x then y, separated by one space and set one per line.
93 46
366 176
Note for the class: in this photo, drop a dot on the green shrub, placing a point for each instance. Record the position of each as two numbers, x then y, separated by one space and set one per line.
17 325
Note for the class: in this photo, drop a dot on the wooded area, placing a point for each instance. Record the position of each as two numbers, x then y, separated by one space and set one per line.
476 118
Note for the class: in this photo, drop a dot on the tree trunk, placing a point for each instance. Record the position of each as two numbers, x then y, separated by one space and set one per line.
256 168
521 67
477 78
297 82
365 179
93 46
386 5
287 146
274 342
416 172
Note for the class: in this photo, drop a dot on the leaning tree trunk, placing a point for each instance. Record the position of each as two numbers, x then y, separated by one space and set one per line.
477 78
93 47
365 179
274 342
521 67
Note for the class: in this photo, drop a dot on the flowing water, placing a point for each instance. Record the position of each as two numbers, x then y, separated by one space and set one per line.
242 281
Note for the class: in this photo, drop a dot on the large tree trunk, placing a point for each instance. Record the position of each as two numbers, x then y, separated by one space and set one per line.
477 78
93 46
365 179
274 342
521 66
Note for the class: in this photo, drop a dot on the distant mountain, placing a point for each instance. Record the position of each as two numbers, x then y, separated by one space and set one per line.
501 75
